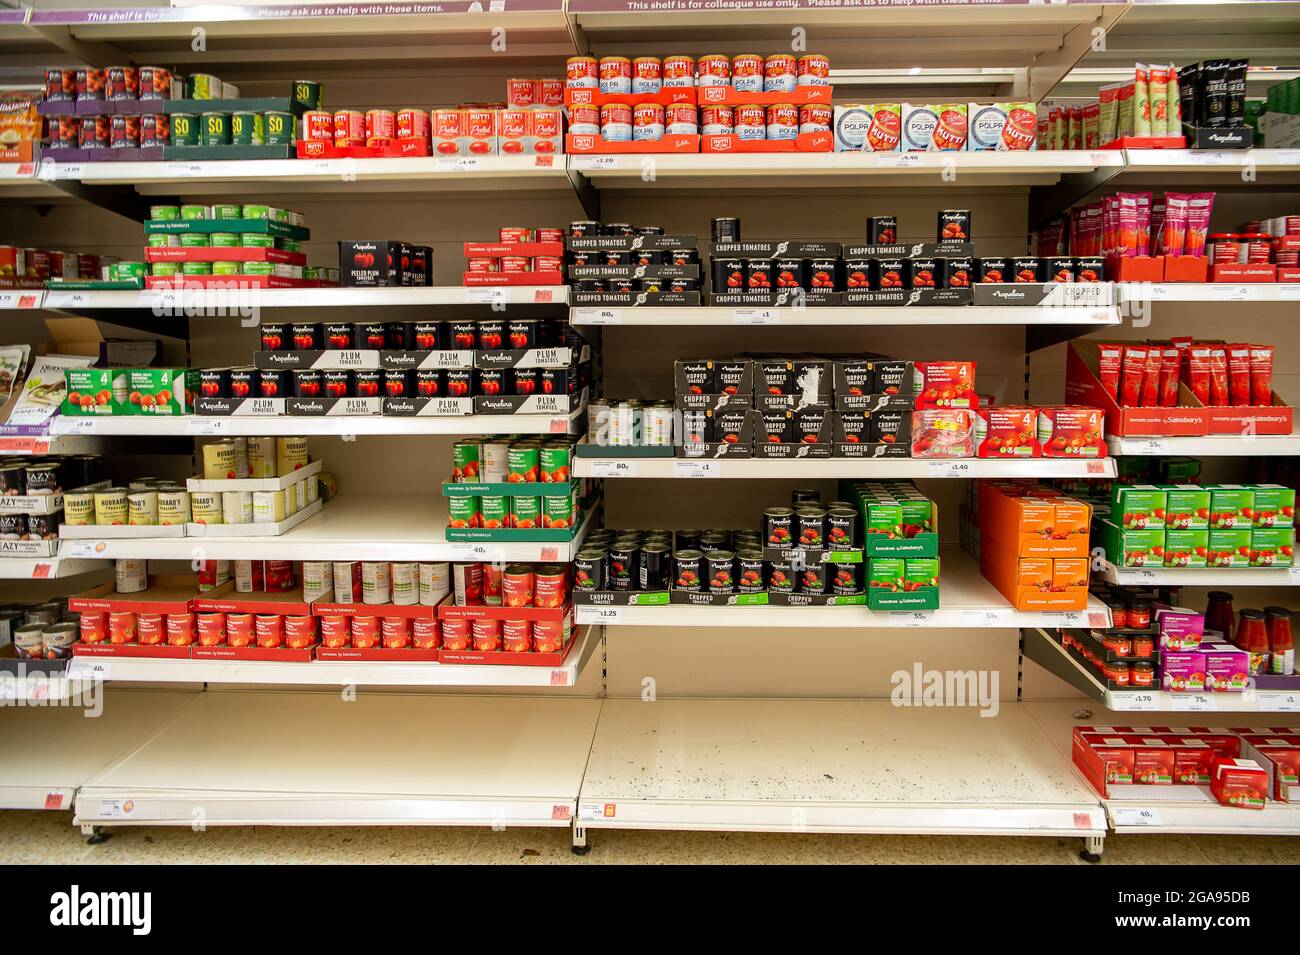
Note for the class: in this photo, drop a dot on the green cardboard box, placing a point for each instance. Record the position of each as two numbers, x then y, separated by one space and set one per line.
1186 548
1138 506
1231 506
160 391
1274 505
1229 547
92 392
1187 506
1272 546
1133 547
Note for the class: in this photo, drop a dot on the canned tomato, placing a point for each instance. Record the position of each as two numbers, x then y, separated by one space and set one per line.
814 70
110 506
782 121
335 630
434 582
319 125
268 630
365 632
747 73
615 75
678 71
589 569
349 126
749 571
493 575
814 118
842 529
812 578
1225 248
517 586
616 122
550 586
412 124
548 636
1058 268
381 124
927 272
655 570
714 70
681 119
93 133
688 570
520 93
958 271
779 73
210 629
150 630
455 633
424 634
121 627
239 629
395 633
299 631
716 121
584 119
1259 247
486 635
720 565
581 72
647 74
1027 269
809 527
647 122
516 636
750 121
954 225
94 627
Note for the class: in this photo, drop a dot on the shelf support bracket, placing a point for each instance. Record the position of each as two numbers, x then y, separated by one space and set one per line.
92 54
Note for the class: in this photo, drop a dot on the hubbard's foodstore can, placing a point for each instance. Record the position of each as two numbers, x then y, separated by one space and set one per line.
79 508
290 454
205 507
142 507
173 506
110 506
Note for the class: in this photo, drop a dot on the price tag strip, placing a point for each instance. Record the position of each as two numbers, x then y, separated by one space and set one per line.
613 468
690 468
1134 815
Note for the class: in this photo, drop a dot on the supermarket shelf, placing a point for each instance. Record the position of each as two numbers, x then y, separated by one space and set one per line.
1265 32
1164 809
47 752
1128 292
1047 652
46 568
833 317
1259 445
199 299
351 527
966 601
306 758
322 673
755 468
1203 577
235 425
1270 166
831 170
53 443
829 766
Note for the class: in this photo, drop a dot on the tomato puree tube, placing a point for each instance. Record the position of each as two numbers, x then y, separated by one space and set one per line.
1108 113
1127 97
1173 230
1158 90
1144 223
1218 376
1170 365
1110 359
1130 390
1151 377
1239 375
1261 374
1091 120
1142 101
1127 240
1199 207
1175 108
1198 372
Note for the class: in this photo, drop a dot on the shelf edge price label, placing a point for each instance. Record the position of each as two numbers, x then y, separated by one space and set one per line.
21 298
950 469
89 668
1191 702
1134 701
1134 816
598 615
983 618
1281 702
690 468
485 296
206 426
1221 292
41 569
593 162
756 316
615 468
909 618
597 316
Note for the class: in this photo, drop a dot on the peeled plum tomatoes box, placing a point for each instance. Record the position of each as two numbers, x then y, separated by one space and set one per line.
375 263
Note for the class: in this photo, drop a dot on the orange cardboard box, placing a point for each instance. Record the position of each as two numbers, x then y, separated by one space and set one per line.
1035 525
1035 583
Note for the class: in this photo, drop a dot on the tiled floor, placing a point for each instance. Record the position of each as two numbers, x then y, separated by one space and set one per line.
34 837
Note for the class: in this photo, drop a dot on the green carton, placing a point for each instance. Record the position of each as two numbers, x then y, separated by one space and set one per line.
1187 506
1186 548
1272 546
92 392
161 391
1231 506
1229 547
1138 506
1274 505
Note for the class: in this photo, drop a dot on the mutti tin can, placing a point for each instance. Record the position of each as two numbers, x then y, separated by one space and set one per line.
616 122
716 121
318 125
750 122
584 119
681 119
349 126
520 93
381 125
815 118
412 124
813 70
713 70
678 71
747 73
615 75
647 74
782 121
581 72
779 73
647 122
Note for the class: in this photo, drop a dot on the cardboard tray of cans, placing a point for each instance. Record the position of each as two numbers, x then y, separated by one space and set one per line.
397 149
738 443
376 655
323 358
585 449
166 593
705 598
332 407
228 600
595 143
813 556
631 243
231 282
667 96
406 611
639 272
223 254
820 141
495 279
730 96
222 153
509 535
119 531
781 598
776 298
506 658
268 529
256 654
1074 294
255 484
41 503
11 663
24 548
78 155
283 230
634 299
480 488
474 250
620 598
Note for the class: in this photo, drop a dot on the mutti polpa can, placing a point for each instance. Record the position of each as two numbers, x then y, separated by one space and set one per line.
747 73
814 70
779 73
750 121
716 121
815 117
678 71
647 122
681 119
616 122
615 75
782 121
581 72
647 74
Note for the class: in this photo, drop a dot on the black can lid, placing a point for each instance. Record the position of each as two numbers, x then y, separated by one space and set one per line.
1252 614
1219 595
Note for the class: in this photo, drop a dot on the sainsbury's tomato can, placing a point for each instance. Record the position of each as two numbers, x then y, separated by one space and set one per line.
584 119
395 632
516 636
94 627
121 626
365 632
713 70
717 121
615 75
299 631
486 635
269 630
779 73
647 74
813 70
150 630
180 629
349 127
647 122
581 72
550 586
239 629
424 634
750 121
782 121
211 629
747 73
548 636
681 119
678 71
454 633
412 124
335 630
616 122
318 126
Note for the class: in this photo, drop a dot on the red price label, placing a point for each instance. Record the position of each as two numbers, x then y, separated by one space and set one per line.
1096 467
41 570
545 162
561 811
550 552
543 295
54 800
1082 820
559 678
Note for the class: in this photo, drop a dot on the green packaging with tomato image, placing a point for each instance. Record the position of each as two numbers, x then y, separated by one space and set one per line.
1229 547
494 510
1274 505
1231 506
1187 506
526 512
1272 546
1138 506
92 392
1186 548
523 463
463 512
1134 547
898 583
161 391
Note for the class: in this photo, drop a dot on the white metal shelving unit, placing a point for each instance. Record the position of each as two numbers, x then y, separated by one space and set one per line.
876 316
813 469
197 298
1208 446
1202 576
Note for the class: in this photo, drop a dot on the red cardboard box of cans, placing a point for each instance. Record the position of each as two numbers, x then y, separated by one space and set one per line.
595 143
460 626
135 625
820 141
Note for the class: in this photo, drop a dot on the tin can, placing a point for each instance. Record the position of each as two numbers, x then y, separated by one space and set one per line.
412 124
615 75
299 631
308 94
281 128
44 479
93 133
581 72
335 630
142 508
79 508
434 582
517 585
467 583
814 70
240 630
485 635
131 576
810 527
110 506
347 581
455 633
210 629
720 565
616 122
678 71
247 128
155 130
812 578
714 69
205 507
782 121
750 122
516 636
94 626
815 117
954 225
215 129
376 582
681 119
647 122
381 125
121 627
842 529
550 586
747 73
655 566
150 630
589 569
779 71
365 633
319 125
349 126
290 454
716 121
548 636
688 570
584 119
268 630
405 583
395 632
237 507
647 74
424 634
